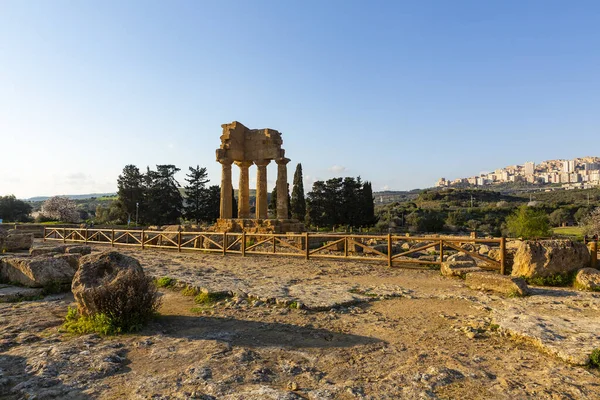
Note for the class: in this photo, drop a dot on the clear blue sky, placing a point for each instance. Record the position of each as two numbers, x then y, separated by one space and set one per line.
400 93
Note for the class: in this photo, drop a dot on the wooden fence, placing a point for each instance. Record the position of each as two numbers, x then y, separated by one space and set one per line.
407 251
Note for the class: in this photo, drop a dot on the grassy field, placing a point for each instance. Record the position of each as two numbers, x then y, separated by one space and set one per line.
574 231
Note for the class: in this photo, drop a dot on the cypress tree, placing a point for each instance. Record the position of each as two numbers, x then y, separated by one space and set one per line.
368 206
273 203
298 202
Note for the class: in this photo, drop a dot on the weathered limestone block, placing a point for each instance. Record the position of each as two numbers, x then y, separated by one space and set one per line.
504 284
72 259
588 279
16 241
82 250
15 293
549 257
107 269
458 268
461 257
484 249
47 250
36 271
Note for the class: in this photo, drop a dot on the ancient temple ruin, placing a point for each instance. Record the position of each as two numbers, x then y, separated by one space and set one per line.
244 147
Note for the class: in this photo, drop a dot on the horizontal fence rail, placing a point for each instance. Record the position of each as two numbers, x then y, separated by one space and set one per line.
394 250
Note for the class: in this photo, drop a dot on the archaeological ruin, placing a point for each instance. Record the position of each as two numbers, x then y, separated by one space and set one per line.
245 147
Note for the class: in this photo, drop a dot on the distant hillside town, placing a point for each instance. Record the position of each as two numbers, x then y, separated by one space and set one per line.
579 173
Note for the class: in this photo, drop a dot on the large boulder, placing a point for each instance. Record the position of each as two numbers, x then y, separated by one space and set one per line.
107 270
15 242
588 279
549 257
458 268
508 285
36 271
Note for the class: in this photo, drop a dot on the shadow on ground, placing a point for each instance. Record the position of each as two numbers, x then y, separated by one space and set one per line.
238 332
16 383
538 291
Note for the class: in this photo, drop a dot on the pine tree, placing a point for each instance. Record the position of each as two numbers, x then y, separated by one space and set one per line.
131 191
195 191
164 200
298 202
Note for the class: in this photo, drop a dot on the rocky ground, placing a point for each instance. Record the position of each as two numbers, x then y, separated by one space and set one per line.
362 331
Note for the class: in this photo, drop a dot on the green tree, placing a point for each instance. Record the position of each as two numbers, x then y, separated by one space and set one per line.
131 192
213 204
164 200
526 222
297 201
559 217
14 210
367 206
234 205
196 194
591 223
273 203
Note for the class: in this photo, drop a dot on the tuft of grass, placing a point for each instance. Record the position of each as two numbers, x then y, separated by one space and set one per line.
210 298
189 291
494 327
595 358
564 279
514 293
99 323
165 282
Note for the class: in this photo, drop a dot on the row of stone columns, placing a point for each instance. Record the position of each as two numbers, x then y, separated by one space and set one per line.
261 189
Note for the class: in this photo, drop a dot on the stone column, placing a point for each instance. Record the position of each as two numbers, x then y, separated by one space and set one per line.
226 189
244 190
282 188
261 189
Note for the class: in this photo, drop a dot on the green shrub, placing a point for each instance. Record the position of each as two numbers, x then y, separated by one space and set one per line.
99 323
563 279
210 298
189 291
123 306
526 222
165 282
595 358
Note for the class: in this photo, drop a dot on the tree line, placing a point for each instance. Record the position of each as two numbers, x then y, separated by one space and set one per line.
154 198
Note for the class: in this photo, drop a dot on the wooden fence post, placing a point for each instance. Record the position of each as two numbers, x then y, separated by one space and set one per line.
86 235
64 235
143 236
44 234
441 251
179 241
307 246
345 246
112 238
243 243
224 243
593 254
502 255
389 252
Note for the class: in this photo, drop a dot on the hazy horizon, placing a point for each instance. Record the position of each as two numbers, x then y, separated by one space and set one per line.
400 93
